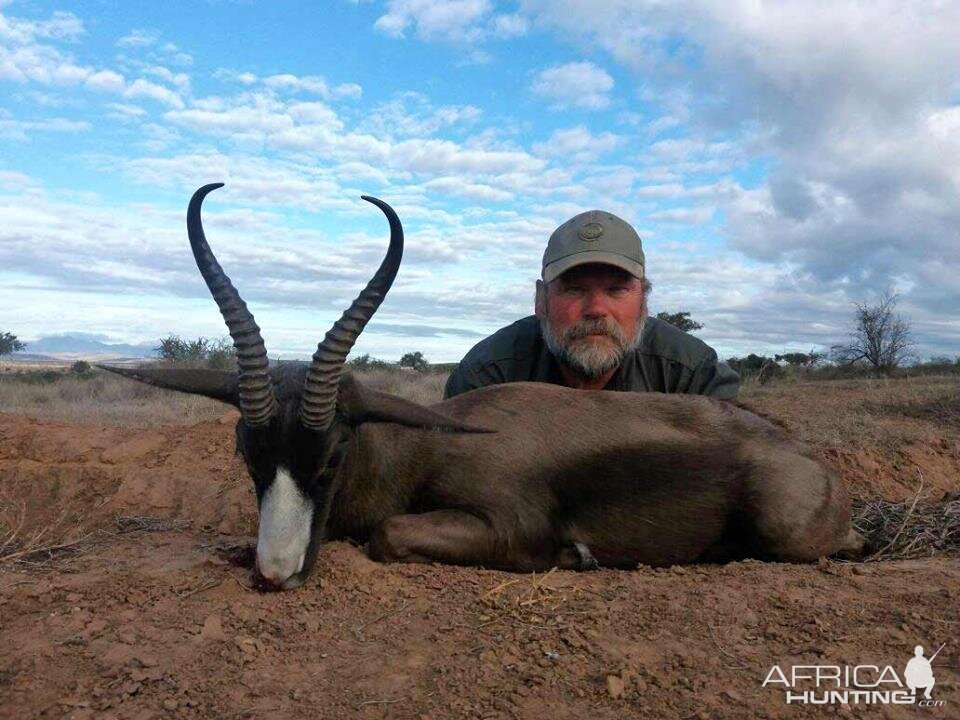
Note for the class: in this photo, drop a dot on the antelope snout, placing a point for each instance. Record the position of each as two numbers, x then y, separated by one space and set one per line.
280 572
286 519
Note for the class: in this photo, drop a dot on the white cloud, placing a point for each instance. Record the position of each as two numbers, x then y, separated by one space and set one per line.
683 215
575 84
234 120
460 187
443 156
286 82
138 39
449 20
510 26
309 83
315 113
180 80
106 80
412 114
578 145
141 88
126 111
351 91
20 129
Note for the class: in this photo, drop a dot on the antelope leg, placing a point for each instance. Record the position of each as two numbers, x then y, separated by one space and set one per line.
447 536
459 538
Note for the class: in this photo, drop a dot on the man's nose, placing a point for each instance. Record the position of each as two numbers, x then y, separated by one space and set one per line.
595 305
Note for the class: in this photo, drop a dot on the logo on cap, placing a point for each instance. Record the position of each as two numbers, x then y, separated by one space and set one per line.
590 232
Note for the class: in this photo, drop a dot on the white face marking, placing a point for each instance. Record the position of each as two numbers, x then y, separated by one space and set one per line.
285 519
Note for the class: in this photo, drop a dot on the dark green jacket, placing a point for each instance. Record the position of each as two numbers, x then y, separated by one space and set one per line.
667 360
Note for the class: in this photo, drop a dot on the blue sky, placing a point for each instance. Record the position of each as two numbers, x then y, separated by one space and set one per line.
781 161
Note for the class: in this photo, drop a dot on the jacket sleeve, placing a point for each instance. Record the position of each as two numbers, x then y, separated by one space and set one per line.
714 378
470 375
461 380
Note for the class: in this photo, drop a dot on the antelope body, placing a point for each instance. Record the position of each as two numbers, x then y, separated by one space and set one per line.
521 476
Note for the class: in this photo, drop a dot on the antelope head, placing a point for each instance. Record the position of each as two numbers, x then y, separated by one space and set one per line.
295 419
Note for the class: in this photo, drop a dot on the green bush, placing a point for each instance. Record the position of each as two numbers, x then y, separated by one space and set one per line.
218 354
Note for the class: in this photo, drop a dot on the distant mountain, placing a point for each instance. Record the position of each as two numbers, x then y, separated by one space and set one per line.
85 344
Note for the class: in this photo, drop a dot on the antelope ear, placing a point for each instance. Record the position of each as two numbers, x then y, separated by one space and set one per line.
217 384
359 404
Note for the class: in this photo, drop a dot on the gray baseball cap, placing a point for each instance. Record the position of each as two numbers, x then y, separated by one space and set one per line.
593 237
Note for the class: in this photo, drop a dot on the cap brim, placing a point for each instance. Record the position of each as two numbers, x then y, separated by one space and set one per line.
555 269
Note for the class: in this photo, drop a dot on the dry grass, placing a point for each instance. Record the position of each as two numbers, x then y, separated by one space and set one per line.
106 399
22 544
101 399
862 413
148 523
909 529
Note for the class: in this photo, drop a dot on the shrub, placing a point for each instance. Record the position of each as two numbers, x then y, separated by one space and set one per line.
81 368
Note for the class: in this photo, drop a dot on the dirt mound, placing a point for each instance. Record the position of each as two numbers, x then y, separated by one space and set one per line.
95 474
150 613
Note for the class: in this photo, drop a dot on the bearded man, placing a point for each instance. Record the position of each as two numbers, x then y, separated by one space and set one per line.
591 329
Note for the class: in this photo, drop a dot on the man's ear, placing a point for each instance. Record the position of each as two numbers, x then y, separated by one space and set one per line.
540 300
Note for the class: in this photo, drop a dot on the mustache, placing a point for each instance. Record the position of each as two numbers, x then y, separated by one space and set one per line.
596 326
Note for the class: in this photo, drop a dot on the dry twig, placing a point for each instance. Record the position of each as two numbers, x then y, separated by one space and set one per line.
910 529
148 523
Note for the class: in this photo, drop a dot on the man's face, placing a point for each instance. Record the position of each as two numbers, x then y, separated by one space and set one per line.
591 316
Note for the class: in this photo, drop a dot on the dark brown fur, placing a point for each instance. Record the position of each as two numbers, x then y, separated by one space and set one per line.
635 477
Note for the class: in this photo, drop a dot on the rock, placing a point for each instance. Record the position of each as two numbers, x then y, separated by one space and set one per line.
733 695
170 704
117 655
213 629
146 660
615 686
248 645
93 629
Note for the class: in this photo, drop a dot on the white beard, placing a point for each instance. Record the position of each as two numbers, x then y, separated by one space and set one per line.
587 357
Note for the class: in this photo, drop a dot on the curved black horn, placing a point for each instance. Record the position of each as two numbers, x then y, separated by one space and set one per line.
323 378
257 400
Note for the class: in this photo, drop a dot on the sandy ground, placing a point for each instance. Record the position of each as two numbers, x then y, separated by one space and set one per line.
147 612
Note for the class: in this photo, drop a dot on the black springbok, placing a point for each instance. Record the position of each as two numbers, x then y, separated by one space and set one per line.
521 476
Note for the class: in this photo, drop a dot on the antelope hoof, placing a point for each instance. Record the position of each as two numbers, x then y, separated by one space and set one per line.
587 560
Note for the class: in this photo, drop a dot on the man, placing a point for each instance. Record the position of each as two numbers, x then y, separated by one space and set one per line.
591 329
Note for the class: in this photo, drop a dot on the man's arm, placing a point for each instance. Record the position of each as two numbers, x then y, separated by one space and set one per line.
714 378
469 376
459 382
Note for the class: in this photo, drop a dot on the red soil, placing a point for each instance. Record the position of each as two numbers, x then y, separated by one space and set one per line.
155 624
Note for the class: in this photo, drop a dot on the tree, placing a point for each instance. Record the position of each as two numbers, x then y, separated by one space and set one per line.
10 344
363 363
751 363
415 360
222 355
81 368
681 320
792 358
219 354
798 358
880 335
